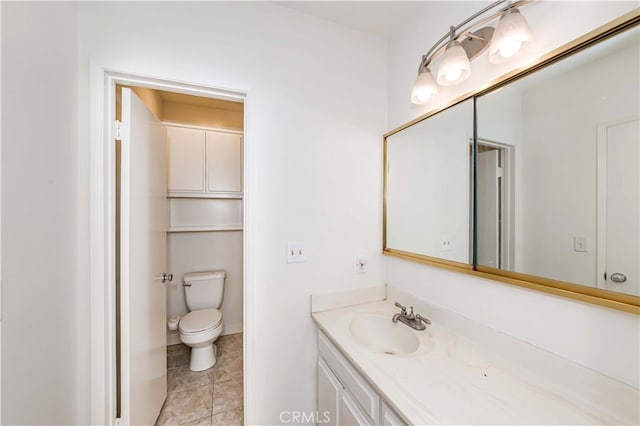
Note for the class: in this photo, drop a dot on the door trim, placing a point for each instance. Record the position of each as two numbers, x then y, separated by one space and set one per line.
102 226
507 241
601 197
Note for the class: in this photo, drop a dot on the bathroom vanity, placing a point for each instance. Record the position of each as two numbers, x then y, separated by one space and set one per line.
454 372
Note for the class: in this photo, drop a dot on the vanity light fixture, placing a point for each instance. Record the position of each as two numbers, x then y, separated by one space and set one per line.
466 42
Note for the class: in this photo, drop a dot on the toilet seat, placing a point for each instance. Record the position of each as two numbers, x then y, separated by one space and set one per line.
199 321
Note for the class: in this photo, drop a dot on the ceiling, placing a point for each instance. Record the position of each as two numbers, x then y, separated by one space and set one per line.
200 101
377 17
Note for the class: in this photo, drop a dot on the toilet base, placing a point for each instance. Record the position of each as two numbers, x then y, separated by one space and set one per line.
203 357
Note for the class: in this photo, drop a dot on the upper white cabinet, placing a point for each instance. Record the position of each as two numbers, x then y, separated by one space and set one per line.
204 163
186 160
224 162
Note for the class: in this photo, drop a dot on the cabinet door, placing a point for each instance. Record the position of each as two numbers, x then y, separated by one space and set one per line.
390 417
224 162
329 395
350 413
186 160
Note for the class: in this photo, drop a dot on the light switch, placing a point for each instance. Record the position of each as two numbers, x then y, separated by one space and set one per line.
295 252
361 264
580 244
446 243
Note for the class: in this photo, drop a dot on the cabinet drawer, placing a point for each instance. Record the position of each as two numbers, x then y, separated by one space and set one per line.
362 393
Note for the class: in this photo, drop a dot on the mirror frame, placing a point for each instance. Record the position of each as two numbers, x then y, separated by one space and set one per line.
606 298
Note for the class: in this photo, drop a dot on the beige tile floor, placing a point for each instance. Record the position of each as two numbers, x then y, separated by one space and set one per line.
211 397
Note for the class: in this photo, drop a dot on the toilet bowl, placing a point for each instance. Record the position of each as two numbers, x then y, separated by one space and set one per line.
198 330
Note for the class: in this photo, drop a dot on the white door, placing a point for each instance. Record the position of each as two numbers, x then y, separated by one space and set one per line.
622 209
144 221
488 219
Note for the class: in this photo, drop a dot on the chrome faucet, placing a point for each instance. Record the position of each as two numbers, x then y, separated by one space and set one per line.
415 321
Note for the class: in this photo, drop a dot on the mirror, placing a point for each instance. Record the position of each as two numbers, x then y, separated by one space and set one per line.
557 192
427 208
558 176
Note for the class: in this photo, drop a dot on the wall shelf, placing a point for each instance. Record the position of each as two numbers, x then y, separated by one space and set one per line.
214 195
205 228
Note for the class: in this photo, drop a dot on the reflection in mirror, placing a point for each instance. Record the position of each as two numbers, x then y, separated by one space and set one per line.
558 170
427 186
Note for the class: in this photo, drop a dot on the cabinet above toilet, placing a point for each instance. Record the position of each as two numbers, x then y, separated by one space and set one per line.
204 163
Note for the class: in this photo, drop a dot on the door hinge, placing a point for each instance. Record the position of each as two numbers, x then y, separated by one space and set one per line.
117 130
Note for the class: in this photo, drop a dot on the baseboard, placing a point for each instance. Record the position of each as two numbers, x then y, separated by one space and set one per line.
173 338
232 328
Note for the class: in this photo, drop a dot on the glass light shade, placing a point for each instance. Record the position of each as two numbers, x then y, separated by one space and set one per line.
424 87
511 32
454 66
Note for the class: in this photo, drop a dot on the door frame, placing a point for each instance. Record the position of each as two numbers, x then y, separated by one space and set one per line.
507 242
102 226
601 197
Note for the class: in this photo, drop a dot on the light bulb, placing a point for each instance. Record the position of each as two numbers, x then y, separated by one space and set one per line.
452 74
510 33
454 66
424 87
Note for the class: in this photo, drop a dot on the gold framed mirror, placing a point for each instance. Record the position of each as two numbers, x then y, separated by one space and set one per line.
550 240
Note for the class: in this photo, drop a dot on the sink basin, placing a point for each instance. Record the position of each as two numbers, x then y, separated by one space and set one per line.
380 335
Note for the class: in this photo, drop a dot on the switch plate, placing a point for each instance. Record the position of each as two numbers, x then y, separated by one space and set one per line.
581 244
446 243
296 252
361 264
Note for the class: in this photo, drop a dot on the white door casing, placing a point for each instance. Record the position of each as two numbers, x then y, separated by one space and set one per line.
102 228
619 206
144 222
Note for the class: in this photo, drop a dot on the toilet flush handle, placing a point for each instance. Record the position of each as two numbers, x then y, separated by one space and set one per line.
164 278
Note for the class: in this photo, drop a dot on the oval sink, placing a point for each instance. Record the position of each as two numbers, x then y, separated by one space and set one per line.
380 335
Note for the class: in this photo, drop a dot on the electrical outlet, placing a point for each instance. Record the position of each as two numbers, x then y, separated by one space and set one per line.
296 252
361 264
446 243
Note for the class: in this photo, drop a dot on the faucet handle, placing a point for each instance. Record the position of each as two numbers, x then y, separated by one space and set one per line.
423 319
404 308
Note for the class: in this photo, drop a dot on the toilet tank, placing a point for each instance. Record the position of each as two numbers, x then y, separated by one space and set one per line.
204 290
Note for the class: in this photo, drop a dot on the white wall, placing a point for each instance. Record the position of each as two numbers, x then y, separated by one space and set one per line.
206 251
44 338
602 339
315 113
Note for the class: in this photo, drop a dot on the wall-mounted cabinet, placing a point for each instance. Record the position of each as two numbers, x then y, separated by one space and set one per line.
204 163
204 179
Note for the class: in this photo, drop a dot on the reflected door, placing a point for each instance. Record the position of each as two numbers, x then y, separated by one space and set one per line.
622 227
488 212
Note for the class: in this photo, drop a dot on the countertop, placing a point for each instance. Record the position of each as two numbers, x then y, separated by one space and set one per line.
451 379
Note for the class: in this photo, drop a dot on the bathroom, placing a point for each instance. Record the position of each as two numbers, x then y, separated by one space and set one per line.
317 106
203 254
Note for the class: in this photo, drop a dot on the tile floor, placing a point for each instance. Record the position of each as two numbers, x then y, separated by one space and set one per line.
210 397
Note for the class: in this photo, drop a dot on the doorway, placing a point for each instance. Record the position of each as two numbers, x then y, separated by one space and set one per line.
107 315
494 187
618 211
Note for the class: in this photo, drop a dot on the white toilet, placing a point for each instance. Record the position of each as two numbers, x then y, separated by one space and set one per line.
203 324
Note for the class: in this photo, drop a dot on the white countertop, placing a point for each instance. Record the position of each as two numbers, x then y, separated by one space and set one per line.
451 380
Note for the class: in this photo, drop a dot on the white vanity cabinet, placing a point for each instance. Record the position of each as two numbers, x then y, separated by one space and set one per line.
344 396
204 163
